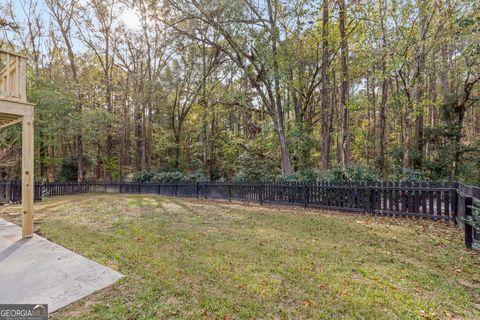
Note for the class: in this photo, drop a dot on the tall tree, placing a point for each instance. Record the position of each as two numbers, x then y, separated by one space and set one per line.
344 84
64 13
325 103
258 57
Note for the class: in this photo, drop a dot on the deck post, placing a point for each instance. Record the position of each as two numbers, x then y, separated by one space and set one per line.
27 176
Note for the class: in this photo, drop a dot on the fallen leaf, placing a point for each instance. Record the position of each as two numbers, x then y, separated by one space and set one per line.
307 303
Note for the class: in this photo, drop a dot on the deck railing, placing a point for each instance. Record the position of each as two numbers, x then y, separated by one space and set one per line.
450 202
12 76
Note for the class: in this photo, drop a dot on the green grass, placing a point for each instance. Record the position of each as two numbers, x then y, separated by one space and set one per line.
192 259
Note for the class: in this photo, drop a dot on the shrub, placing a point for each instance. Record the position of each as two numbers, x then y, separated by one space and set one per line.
251 168
410 175
140 176
351 173
68 170
306 175
474 221
168 176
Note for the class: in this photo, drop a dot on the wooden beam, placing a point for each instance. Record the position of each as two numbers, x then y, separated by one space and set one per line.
18 83
8 74
16 107
27 176
13 53
8 117
22 81
10 123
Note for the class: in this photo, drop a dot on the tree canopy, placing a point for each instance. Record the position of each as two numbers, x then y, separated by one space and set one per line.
249 89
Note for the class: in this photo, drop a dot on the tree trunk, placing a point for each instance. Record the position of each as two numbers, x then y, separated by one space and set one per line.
420 85
345 155
384 98
383 117
177 146
277 99
325 147
408 135
432 96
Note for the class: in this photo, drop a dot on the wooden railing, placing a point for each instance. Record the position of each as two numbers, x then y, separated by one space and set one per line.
12 76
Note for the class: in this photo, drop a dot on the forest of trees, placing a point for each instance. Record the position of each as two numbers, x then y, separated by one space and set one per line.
248 89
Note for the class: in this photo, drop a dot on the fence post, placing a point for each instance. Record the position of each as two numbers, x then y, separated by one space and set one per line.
230 192
198 187
369 199
8 191
175 189
305 195
260 194
454 194
468 229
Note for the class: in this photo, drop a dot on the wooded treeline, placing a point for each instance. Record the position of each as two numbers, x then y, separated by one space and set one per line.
249 89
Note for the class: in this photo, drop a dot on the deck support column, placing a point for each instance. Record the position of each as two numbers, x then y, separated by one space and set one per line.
27 176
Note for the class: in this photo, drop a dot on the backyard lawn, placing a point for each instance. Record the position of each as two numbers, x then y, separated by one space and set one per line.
195 259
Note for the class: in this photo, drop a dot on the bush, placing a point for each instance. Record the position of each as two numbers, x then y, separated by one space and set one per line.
168 176
306 176
68 170
474 221
336 174
351 173
196 177
176 176
410 175
140 176
251 169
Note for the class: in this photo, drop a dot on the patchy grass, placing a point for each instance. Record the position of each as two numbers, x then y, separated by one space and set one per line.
193 259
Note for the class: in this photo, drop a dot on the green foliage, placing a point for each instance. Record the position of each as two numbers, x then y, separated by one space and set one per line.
352 173
302 143
251 168
450 155
197 176
141 176
468 170
474 221
306 175
113 168
167 176
68 170
171 176
409 175
207 111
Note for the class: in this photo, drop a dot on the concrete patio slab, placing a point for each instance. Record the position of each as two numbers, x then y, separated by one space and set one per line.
36 271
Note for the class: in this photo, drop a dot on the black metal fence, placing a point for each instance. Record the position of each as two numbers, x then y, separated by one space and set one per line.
426 200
